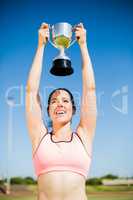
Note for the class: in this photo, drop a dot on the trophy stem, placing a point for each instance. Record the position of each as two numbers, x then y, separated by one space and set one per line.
62 51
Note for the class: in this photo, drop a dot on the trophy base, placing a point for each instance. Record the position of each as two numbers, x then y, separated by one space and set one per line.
61 67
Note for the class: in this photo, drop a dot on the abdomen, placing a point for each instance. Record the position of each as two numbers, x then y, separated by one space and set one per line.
58 185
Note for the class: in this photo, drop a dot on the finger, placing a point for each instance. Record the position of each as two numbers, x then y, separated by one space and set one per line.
44 34
77 28
44 31
47 31
47 34
44 25
77 35
81 25
78 31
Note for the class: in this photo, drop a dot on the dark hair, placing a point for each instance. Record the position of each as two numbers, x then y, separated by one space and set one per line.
71 98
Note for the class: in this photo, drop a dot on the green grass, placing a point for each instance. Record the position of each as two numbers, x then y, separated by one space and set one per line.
120 197
111 198
93 193
103 188
17 198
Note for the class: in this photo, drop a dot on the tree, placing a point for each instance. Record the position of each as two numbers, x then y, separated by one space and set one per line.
110 176
94 181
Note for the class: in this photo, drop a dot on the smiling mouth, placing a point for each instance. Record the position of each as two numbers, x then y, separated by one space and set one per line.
60 113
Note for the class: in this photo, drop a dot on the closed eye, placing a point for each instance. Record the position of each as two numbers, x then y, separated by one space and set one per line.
54 101
66 101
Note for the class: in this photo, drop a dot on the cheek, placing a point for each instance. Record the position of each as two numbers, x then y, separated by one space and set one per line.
51 109
70 110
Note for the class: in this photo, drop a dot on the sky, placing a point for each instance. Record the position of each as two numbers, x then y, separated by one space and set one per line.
109 26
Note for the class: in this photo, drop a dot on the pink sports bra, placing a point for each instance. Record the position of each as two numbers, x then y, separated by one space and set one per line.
53 155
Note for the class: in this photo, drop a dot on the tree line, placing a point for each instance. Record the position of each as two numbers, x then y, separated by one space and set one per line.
31 181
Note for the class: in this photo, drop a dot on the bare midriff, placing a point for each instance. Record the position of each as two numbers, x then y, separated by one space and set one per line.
61 185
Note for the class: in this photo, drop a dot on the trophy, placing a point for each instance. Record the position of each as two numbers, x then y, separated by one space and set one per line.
61 39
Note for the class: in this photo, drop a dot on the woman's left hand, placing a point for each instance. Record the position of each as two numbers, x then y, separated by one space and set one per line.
80 33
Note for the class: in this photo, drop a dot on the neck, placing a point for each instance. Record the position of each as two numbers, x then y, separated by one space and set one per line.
61 130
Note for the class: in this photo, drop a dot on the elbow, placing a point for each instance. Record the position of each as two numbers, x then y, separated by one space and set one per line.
92 88
30 88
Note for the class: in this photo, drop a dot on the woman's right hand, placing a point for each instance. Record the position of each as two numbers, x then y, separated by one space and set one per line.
43 34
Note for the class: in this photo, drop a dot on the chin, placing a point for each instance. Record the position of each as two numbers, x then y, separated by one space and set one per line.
62 120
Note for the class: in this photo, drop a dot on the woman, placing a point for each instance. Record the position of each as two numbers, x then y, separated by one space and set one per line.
61 158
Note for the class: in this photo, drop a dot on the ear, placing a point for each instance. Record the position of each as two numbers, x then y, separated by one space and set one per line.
74 110
48 110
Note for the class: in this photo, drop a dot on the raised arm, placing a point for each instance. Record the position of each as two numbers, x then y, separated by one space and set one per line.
88 113
35 123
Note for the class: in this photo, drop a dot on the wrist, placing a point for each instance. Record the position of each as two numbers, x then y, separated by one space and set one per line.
41 42
41 45
83 45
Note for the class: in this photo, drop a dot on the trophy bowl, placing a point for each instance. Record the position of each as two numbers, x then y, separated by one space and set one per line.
61 39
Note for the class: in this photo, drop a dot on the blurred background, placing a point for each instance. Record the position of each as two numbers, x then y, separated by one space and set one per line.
109 26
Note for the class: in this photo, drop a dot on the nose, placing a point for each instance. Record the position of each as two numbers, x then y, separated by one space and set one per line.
59 104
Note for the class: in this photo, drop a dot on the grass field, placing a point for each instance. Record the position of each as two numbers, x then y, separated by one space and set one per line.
115 196
93 193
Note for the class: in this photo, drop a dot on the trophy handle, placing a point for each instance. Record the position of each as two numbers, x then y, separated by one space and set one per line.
50 28
75 40
72 42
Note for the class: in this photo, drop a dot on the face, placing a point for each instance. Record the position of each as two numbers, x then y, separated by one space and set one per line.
60 108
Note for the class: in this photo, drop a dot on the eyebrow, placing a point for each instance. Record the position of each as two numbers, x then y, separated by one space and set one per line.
53 99
62 98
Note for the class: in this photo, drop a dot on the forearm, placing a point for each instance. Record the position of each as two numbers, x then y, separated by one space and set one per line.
36 69
87 69
88 106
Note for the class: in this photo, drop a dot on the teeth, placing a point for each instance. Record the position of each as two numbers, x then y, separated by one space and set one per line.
60 112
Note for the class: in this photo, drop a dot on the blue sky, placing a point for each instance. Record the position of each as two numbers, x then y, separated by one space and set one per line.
109 27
